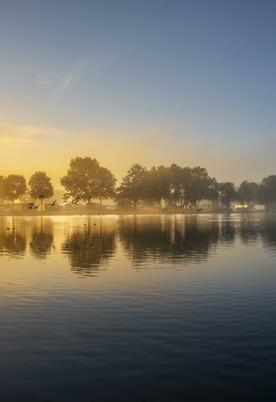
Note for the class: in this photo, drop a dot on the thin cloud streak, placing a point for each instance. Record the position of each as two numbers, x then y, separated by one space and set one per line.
56 83
65 84
16 134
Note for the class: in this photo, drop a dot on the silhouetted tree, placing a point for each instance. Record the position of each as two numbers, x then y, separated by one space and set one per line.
82 181
227 193
177 185
106 184
247 192
180 178
134 185
267 192
182 185
213 192
41 186
87 180
2 181
159 184
14 187
199 186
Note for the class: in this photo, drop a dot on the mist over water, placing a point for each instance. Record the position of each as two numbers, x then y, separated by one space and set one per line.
138 308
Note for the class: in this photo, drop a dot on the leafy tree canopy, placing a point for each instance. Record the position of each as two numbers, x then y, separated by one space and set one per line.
135 185
248 192
86 180
14 186
41 186
227 193
267 192
106 184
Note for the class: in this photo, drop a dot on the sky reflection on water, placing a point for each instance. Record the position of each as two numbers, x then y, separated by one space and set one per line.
138 308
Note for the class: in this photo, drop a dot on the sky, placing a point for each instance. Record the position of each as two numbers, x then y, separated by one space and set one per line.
149 81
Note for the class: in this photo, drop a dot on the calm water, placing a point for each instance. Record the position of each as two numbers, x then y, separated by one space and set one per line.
160 308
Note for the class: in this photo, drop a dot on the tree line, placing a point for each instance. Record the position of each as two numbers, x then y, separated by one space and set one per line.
170 186
13 187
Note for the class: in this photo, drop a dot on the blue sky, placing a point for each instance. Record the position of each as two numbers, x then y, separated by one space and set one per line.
139 81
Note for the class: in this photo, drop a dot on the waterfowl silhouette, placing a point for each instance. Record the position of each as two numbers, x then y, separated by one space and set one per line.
52 204
31 205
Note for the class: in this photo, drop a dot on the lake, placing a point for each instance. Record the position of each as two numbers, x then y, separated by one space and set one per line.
145 308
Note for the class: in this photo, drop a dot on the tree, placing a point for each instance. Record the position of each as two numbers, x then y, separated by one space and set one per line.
106 184
134 185
158 184
2 181
14 187
267 192
179 182
82 179
247 192
213 193
174 184
199 186
227 193
41 187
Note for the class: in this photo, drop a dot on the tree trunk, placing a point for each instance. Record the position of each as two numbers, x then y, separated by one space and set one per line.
227 205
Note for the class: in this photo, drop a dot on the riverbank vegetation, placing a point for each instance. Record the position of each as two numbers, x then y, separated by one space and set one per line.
162 187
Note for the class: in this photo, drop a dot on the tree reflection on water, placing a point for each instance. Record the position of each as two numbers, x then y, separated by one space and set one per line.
42 238
167 238
89 244
89 248
13 240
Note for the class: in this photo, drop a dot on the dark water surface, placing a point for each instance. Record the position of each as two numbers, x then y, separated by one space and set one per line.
153 308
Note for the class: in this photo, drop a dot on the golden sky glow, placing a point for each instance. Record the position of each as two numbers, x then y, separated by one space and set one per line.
156 86
27 148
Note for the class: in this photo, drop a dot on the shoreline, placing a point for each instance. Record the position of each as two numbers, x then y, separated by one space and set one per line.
11 213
